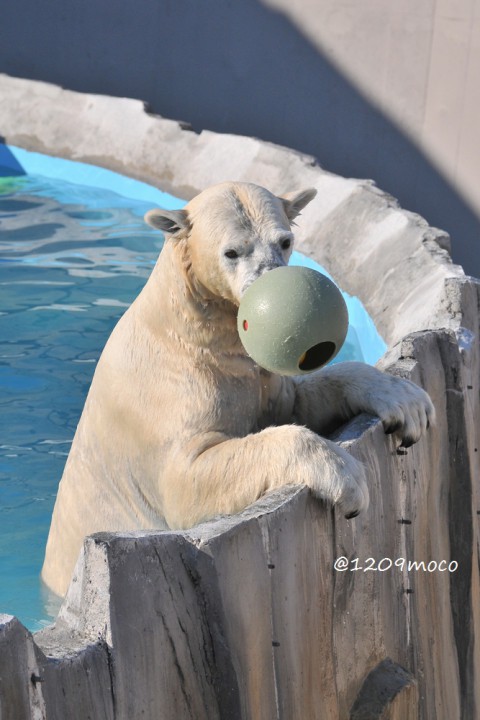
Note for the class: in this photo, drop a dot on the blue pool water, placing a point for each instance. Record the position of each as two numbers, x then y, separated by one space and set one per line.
73 255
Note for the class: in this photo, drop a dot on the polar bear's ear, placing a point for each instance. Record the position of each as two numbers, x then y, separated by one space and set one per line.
168 221
294 202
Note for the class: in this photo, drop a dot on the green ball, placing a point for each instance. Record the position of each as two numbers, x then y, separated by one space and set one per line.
292 320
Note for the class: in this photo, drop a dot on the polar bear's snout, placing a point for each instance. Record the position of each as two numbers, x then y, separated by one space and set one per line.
269 262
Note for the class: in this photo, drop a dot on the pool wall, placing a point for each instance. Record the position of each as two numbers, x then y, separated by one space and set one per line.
244 617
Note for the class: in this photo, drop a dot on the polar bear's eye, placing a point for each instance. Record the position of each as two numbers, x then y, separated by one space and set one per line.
285 243
232 254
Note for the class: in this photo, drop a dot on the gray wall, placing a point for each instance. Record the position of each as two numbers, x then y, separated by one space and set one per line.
244 67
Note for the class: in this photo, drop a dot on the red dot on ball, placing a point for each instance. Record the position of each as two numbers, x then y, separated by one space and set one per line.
245 324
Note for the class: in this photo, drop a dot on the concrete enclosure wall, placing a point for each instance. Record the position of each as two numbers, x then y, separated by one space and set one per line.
374 89
419 65
245 617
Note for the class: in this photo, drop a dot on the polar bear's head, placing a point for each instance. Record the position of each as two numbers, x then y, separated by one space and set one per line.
234 233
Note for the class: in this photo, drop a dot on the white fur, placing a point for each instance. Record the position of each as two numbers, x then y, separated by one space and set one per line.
180 424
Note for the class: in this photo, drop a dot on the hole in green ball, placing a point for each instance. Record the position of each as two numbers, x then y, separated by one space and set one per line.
245 325
317 356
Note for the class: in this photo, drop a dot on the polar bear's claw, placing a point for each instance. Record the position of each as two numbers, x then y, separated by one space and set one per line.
392 427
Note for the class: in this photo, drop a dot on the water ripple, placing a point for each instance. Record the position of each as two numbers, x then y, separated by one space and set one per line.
67 273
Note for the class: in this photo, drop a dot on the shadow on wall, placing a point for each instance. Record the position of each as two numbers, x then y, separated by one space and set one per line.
233 67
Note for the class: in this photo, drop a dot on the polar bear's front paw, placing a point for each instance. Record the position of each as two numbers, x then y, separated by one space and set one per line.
404 409
353 497
341 480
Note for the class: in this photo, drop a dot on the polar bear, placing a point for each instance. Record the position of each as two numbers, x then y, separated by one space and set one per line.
180 425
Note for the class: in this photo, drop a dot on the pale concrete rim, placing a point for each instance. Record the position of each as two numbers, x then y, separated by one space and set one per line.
390 258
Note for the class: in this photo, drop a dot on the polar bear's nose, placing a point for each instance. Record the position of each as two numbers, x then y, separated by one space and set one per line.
265 265
270 264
